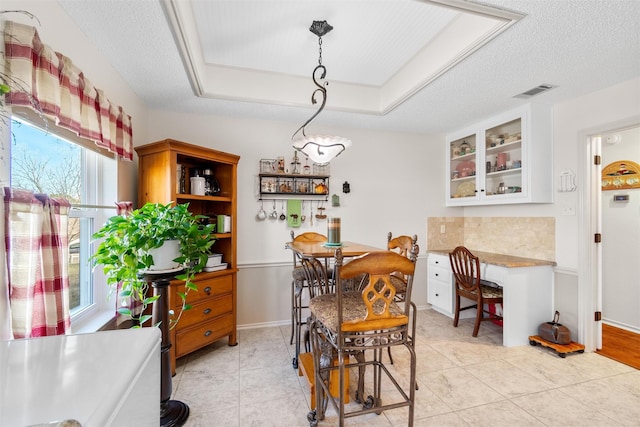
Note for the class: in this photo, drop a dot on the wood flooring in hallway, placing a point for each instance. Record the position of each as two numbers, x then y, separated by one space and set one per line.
620 345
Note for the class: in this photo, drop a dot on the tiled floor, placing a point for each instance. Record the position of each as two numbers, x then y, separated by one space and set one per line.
464 381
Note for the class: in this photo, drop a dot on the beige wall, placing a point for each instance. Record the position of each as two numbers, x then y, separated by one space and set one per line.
528 237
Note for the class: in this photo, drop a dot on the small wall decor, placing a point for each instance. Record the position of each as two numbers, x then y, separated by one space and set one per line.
620 175
567 181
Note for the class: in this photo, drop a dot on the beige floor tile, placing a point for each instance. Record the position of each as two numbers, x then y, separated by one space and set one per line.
617 397
498 414
209 392
459 389
450 419
507 379
555 408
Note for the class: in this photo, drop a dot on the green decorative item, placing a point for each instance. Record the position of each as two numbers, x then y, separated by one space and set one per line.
124 251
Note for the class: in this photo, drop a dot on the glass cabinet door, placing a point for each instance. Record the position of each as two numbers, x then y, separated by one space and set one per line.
463 167
503 159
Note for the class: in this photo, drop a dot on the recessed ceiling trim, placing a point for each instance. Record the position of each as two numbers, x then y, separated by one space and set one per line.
176 26
475 26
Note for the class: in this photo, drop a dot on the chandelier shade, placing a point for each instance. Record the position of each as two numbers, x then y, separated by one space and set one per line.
321 149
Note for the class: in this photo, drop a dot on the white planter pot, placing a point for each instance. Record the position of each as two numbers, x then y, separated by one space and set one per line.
163 257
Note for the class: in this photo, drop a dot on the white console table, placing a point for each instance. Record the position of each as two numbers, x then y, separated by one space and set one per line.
109 378
527 290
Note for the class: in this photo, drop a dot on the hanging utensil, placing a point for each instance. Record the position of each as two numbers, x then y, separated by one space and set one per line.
282 215
274 212
320 214
303 216
262 214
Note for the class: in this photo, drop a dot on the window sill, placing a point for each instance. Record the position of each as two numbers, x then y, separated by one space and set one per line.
93 323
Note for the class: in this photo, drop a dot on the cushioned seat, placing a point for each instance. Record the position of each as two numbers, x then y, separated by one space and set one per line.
325 308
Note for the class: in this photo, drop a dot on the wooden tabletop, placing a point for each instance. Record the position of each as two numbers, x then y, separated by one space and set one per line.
320 250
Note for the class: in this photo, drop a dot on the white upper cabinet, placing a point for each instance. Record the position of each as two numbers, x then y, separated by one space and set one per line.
505 159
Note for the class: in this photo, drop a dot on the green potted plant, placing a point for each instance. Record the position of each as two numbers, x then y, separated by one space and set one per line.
129 245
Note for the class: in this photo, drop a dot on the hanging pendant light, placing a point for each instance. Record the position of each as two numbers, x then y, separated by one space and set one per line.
321 149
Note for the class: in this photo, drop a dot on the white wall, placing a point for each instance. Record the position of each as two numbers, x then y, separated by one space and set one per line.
621 239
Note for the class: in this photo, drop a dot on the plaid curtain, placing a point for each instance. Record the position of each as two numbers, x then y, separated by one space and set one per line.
37 253
51 84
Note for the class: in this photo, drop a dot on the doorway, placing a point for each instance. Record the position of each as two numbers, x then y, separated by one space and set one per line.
620 227
590 289
615 210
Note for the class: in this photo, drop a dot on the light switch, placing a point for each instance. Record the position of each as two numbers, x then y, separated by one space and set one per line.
569 209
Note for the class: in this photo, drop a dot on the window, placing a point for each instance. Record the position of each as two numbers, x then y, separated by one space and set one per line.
48 163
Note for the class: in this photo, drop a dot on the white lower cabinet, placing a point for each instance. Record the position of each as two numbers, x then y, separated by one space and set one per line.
440 287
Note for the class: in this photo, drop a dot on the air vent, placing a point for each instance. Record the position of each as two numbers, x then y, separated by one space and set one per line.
535 91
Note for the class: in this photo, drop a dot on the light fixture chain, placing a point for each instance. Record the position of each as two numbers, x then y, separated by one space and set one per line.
319 50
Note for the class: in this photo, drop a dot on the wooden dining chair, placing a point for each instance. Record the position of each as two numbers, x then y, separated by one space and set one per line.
351 322
468 284
402 245
298 285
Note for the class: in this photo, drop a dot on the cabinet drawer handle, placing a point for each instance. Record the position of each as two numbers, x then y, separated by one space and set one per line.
436 274
437 262
207 290
207 310
437 295
206 334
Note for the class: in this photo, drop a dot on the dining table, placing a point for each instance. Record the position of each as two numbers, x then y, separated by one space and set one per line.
324 251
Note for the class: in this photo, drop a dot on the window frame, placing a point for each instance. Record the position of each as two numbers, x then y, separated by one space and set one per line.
99 194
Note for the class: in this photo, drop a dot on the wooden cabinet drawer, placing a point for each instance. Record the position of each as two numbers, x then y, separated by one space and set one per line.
203 334
206 289
205 310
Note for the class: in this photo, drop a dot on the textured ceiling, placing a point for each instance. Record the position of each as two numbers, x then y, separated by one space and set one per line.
579 45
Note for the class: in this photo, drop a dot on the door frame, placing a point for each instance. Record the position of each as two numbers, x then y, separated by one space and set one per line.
589 223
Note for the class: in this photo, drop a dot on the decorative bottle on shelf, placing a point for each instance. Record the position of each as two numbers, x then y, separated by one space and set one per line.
464 148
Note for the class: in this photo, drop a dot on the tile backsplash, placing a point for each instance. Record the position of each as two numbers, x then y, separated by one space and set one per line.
529 237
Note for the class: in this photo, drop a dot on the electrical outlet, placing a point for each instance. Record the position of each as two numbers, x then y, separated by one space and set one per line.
443 229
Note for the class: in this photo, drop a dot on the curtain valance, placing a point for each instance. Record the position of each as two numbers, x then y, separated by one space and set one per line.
49 82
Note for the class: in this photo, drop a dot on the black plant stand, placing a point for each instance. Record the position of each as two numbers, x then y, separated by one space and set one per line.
172 412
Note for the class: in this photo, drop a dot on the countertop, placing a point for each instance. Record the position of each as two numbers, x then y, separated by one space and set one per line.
501 260
109 378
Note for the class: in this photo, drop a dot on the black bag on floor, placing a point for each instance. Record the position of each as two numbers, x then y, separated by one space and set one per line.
554 332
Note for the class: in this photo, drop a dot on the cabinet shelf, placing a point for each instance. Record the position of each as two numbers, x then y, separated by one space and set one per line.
466 178
182 196
505 147
279 185
504 172
469 156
